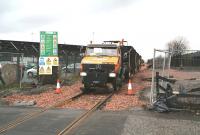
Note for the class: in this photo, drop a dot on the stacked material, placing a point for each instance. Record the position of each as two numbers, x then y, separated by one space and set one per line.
9 73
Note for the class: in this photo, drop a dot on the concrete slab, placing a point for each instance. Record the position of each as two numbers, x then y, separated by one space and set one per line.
8 114
102 123
49 123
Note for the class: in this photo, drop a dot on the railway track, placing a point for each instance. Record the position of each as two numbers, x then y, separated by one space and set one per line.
35 114
82 117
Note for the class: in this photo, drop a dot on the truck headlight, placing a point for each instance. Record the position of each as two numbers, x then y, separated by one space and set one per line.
83 74
112 75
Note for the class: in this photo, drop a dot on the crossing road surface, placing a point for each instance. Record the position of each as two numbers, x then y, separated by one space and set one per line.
135 122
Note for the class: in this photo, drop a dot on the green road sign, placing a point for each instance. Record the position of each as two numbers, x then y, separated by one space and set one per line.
48 43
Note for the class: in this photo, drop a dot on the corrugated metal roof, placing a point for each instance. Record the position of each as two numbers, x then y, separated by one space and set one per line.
102 45
33 48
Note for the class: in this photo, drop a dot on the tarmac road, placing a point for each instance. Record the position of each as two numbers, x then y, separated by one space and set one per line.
140 122
134 122
48 123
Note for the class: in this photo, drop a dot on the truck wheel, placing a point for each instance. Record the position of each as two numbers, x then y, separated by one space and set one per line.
126 75
86 88
119 81
115 87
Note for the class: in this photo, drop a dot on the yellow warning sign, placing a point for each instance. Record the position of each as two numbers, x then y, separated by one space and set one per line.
49 70
55 62
45 70
41 70
48 61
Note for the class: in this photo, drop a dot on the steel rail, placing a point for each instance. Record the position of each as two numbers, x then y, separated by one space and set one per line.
83 116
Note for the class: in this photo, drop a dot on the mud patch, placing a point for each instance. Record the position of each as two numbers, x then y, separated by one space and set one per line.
145 94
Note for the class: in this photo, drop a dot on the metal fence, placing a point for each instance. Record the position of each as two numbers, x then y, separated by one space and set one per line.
160 63
183 68
28 60
189 58
70 62
17 69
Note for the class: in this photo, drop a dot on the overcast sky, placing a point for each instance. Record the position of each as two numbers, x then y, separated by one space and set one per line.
145 24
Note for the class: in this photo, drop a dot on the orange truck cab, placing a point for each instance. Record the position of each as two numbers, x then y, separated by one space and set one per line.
105 64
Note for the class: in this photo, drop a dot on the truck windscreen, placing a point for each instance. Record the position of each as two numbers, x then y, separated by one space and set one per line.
101 51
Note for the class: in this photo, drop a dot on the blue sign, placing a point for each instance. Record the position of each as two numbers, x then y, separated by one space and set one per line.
41 61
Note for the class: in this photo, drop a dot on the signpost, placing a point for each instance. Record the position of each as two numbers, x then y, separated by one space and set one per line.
48 44
48 52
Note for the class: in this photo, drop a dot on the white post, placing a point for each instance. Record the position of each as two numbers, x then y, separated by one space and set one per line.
163 70
164 65
22 64
170 58
152 82
93 37
169 64
129 64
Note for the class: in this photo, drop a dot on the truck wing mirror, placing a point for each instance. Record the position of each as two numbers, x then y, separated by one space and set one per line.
125 55
81 54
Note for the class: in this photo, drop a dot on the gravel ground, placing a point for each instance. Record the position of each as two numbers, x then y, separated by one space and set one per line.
119 101
46 98
144 125
122 101
182 74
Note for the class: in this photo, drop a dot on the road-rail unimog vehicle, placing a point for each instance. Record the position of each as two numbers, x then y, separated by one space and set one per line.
108 64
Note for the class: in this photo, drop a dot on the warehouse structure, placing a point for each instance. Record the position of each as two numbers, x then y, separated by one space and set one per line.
24 53
190 58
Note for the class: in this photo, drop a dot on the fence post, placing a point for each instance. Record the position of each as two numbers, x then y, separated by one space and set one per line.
66 61
170 61
157 84
18 68
22 67
74 62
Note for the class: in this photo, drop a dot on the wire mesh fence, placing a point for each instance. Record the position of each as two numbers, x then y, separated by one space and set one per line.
17 69
182 67
187 59
70 63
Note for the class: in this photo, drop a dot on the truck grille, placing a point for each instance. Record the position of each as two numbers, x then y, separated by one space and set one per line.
98 67
97 73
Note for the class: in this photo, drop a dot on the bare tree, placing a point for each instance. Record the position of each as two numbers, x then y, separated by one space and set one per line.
178 46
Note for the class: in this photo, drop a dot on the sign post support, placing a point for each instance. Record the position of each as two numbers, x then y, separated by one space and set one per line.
48 60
